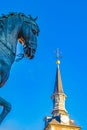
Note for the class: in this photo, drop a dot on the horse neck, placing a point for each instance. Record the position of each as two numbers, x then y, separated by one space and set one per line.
10 30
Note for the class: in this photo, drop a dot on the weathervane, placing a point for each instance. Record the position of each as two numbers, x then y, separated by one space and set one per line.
58 56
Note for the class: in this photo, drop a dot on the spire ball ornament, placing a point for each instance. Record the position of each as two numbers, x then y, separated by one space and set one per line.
58 62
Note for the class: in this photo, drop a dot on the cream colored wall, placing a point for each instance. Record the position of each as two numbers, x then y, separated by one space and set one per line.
61 128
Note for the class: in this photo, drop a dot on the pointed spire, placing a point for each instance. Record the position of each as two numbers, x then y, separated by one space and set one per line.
60 116
58 82
58 94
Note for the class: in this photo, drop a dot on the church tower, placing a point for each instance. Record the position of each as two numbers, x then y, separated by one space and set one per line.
60 119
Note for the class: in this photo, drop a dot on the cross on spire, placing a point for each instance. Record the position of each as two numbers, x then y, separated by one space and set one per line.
58 56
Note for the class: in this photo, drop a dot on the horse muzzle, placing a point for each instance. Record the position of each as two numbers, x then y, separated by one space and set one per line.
29 52
30 48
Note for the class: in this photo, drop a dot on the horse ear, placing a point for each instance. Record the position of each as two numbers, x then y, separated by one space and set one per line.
35 18
30 16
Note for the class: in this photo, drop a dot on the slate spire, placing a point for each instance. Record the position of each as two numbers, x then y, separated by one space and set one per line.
60 119
58 88
58 94
58 82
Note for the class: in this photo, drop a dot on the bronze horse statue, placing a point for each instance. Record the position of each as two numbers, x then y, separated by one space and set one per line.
15 27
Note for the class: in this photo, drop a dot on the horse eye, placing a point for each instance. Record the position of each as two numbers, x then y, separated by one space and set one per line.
34 32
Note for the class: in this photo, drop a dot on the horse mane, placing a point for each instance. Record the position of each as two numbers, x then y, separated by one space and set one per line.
11 14
27 18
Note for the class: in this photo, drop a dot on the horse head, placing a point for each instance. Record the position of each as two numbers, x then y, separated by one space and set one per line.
28 36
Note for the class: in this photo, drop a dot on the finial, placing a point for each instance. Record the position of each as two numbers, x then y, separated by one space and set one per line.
58 56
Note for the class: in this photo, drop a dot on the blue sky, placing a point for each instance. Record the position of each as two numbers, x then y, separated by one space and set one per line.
63 24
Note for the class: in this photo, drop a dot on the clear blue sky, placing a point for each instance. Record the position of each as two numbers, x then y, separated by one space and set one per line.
63 25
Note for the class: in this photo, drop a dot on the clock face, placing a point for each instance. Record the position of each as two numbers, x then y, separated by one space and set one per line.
64 119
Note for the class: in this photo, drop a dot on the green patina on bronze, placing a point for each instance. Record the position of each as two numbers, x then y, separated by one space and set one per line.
14 27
